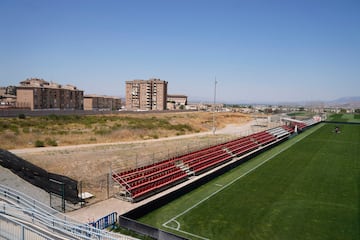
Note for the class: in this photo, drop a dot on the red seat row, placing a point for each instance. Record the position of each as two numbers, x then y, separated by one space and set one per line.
240 150
237 142
208 155
146 169
263 137
300 125
167 181
149 172
287 128
204 165
154 178
199 153
195 162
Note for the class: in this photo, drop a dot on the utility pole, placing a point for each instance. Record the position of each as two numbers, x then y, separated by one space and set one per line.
214 125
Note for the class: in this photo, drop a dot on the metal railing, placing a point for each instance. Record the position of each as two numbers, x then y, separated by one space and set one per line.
12 229
25 208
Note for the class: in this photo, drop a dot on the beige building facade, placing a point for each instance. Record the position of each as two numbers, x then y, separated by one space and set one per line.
146 94
176 101
7 96
101 103
37 93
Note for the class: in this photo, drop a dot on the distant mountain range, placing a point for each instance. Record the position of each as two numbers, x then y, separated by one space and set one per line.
352 102
344 102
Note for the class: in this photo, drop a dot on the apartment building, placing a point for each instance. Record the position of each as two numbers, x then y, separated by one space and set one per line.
146 94
176 101
35 93
7 96
101 103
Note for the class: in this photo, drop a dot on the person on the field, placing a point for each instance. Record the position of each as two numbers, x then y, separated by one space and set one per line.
337 129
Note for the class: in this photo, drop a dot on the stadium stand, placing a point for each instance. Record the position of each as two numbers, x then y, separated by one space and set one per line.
142 182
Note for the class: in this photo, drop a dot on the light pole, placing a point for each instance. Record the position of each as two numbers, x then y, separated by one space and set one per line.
214 125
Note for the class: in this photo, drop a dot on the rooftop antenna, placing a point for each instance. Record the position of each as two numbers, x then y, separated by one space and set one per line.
214 125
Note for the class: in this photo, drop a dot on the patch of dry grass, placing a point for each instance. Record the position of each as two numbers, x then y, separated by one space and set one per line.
16 133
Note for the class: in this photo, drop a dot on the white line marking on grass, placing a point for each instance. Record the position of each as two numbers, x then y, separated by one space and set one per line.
187 233
178 225
218 185
222 188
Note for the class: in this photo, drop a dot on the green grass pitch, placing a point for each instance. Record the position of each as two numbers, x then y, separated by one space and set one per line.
305 188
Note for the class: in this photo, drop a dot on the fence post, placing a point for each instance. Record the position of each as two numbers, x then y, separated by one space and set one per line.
81 193
108 185
22 232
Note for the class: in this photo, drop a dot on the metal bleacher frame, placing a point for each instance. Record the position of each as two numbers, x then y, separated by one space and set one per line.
27 214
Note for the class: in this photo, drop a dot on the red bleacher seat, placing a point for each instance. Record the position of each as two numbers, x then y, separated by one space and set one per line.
199 167
287 128
263 137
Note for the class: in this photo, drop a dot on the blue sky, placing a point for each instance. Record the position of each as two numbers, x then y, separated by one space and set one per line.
259 51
